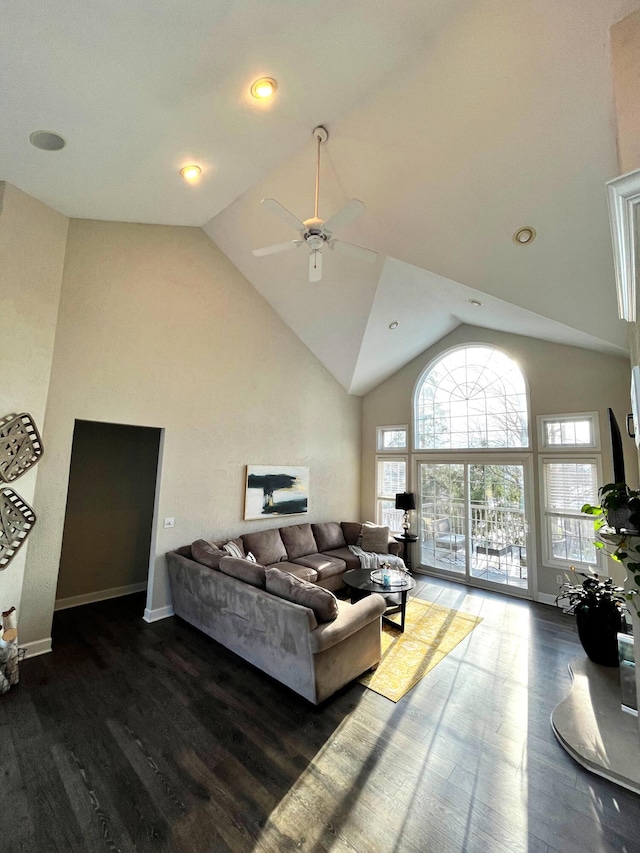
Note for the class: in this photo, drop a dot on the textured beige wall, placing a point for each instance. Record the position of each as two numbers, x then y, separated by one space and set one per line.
112 485
32 245
561 379
625 60
158 328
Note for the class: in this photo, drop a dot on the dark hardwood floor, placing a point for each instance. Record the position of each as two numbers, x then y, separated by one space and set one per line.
154 738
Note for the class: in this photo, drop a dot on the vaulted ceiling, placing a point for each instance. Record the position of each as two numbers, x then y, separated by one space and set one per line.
455 121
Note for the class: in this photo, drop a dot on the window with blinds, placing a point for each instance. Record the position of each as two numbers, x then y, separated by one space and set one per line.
391 478
568 535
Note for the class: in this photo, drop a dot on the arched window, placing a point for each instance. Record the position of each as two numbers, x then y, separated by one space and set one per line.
472 397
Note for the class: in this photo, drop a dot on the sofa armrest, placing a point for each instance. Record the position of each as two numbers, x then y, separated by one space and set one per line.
395 547
351 617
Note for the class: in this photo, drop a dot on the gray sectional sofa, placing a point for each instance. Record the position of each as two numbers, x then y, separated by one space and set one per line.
282 637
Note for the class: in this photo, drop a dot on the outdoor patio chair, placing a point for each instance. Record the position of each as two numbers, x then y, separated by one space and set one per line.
445 538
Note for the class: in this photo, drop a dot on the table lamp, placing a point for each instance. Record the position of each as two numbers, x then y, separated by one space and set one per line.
405 501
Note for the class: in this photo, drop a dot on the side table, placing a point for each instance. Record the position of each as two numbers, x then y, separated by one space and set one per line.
406 541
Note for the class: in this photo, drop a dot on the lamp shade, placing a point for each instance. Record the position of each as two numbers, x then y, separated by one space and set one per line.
405 501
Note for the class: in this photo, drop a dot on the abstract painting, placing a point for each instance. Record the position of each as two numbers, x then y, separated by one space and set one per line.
276 490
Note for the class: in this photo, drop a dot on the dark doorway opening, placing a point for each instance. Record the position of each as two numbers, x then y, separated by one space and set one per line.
109 516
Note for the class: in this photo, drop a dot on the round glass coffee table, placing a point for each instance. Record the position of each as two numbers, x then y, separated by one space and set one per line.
360 585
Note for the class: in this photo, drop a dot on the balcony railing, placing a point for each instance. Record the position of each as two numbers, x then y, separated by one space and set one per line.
490 524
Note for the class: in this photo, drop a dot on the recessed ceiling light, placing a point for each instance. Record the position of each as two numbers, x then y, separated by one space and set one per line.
190 173
47 140
476 303
394 324
264 88
524 235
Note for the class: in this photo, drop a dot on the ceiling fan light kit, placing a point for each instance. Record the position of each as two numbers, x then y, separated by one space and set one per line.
315 232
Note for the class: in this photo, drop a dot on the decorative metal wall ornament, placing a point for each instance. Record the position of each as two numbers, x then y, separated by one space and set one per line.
20 446
16 520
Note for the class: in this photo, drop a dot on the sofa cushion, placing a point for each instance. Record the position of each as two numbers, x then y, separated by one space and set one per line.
304 572
375 538
323 603
266 545
345 555
298 540
244 570
328 535
325 566
207 553
351 531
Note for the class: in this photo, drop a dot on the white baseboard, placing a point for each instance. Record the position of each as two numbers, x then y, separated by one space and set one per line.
159 613
545 598
101 595
36 647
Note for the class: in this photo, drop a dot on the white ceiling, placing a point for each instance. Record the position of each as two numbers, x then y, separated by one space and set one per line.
455 121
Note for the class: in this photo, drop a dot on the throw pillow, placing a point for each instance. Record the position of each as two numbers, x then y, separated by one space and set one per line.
207 553
232 549
244 570
375 539
323 603
249 556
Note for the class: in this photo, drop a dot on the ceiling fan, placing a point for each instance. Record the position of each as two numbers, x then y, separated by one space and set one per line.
314 232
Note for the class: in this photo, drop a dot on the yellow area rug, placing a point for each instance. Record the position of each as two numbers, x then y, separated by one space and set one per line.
430 633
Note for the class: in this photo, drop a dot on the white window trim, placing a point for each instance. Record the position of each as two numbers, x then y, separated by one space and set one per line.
387 457
381 449
547 558
543 447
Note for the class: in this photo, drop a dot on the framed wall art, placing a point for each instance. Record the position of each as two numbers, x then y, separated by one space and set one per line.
276 490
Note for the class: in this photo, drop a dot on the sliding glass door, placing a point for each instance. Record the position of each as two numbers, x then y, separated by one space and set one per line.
473 520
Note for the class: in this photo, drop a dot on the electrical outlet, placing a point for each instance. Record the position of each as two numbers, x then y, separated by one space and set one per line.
558 579
169 522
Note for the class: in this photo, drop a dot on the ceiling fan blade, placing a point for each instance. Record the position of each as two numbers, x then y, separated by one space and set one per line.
354 251
277 247
284 214
315 266
346 214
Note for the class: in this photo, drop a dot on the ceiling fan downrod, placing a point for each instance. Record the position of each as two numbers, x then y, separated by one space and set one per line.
321 135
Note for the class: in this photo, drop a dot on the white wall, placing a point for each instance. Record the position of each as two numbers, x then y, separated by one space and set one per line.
560 378
32 245
158 328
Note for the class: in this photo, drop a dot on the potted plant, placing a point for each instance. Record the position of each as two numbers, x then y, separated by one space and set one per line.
598 606
616 523
619 507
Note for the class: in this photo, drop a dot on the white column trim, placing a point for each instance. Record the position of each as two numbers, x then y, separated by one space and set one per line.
36 647
624 195
159 613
